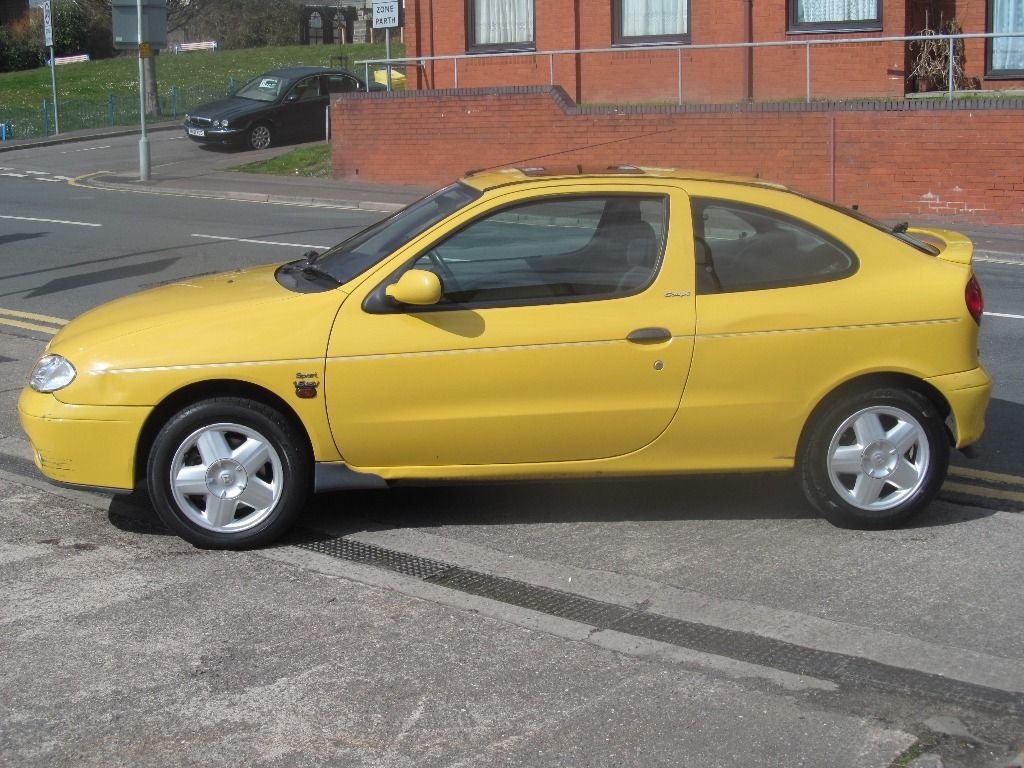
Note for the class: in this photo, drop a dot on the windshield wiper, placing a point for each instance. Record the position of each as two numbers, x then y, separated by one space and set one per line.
313 271
901 227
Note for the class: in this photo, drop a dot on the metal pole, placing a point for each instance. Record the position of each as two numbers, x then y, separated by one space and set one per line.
950 94
366 75
53 83
387 53
808 48
456 73
551 69
679 75
143 139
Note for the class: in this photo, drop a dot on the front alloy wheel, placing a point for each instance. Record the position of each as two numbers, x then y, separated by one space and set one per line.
875 459
228 473
259 136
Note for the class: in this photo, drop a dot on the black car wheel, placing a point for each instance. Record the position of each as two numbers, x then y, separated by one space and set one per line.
260 136
875 459
228 473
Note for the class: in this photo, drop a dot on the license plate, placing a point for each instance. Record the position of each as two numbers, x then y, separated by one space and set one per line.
196 132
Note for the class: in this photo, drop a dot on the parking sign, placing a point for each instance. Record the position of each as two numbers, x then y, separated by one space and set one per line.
385 14
47 23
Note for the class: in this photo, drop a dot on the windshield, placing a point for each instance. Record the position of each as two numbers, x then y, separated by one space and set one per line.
263 88
899 231
364 249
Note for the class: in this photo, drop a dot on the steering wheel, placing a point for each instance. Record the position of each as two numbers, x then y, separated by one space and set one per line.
446 274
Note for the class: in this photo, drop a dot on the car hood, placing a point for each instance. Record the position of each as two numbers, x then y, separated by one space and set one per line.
231 108
234 317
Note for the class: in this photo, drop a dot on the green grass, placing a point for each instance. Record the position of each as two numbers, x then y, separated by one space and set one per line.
94 80
304 161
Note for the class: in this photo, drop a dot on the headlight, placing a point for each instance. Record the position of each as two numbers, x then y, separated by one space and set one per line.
51 373
220 123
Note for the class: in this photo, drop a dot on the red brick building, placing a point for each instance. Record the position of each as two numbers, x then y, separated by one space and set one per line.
634 73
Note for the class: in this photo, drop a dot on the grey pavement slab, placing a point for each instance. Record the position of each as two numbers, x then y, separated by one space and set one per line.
122 646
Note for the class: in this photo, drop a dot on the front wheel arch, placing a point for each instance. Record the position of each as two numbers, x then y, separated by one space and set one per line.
206 390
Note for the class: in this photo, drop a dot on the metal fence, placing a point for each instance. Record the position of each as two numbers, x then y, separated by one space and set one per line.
807 44
117 109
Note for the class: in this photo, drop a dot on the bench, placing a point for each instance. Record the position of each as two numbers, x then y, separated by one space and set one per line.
78 59
209 45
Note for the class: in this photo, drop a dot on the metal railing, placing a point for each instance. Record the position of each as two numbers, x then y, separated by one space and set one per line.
118 109
681 48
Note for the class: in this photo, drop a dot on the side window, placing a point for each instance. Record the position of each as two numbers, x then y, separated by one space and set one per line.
743 247
341 84
555 249
307 89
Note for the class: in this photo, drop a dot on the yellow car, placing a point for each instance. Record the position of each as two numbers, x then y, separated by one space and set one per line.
526 323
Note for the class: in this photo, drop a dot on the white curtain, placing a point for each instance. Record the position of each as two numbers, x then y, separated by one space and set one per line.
503 21
1008 52
646 18
824 11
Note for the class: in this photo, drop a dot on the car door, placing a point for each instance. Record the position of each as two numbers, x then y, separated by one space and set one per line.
303 112
564 333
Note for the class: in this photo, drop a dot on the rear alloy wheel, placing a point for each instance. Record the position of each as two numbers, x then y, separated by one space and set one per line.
228 473
260 136
875 459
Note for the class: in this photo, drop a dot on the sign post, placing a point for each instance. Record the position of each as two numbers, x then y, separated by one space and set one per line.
48 32
385 16
140 24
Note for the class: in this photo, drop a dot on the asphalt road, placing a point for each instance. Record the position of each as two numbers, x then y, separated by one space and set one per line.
698 622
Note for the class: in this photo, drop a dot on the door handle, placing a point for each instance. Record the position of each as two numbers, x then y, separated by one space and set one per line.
649 335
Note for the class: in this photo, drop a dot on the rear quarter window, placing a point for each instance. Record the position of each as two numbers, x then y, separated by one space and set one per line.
742 247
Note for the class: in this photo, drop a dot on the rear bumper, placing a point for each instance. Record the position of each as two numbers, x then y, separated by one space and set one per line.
968 394
82 445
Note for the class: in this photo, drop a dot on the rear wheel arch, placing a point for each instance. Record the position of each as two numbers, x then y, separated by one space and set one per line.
867 383
194 393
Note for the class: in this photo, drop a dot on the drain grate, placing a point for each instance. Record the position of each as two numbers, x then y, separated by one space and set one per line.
357 552
733 644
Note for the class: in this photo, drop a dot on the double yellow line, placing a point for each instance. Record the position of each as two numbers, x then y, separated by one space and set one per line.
30 321
989 485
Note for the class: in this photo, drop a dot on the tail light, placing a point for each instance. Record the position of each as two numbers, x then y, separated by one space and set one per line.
974 298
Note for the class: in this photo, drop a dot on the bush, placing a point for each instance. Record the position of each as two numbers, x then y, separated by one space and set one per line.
21 44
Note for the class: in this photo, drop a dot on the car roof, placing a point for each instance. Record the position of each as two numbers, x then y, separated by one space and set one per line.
492 178
293 72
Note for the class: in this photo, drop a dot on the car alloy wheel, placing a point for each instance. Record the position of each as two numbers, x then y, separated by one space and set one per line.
875 459
228 473
259 136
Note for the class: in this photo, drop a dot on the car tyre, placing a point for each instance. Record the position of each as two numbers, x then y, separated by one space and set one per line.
260 136
874 459
228 473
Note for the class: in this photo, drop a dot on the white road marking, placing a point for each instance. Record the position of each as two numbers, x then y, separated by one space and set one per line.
1003 314
260 242
51 221
58 179
14 175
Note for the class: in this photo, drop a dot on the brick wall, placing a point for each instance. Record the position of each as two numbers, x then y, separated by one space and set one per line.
438 28
956 162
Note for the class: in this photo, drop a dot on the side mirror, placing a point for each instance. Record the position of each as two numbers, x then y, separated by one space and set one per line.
291 97
417 287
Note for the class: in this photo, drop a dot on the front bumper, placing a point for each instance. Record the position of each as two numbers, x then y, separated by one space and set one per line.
92 445
207 135
967 393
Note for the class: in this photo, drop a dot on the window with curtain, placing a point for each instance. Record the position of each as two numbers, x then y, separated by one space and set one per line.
1006 54
639 21
833 15
500 24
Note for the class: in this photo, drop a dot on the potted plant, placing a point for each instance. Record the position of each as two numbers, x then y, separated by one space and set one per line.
930 58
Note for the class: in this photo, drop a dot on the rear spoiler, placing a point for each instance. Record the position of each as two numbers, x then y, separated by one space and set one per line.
952 246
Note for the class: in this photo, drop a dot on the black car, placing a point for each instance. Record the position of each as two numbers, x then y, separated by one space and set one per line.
281 105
